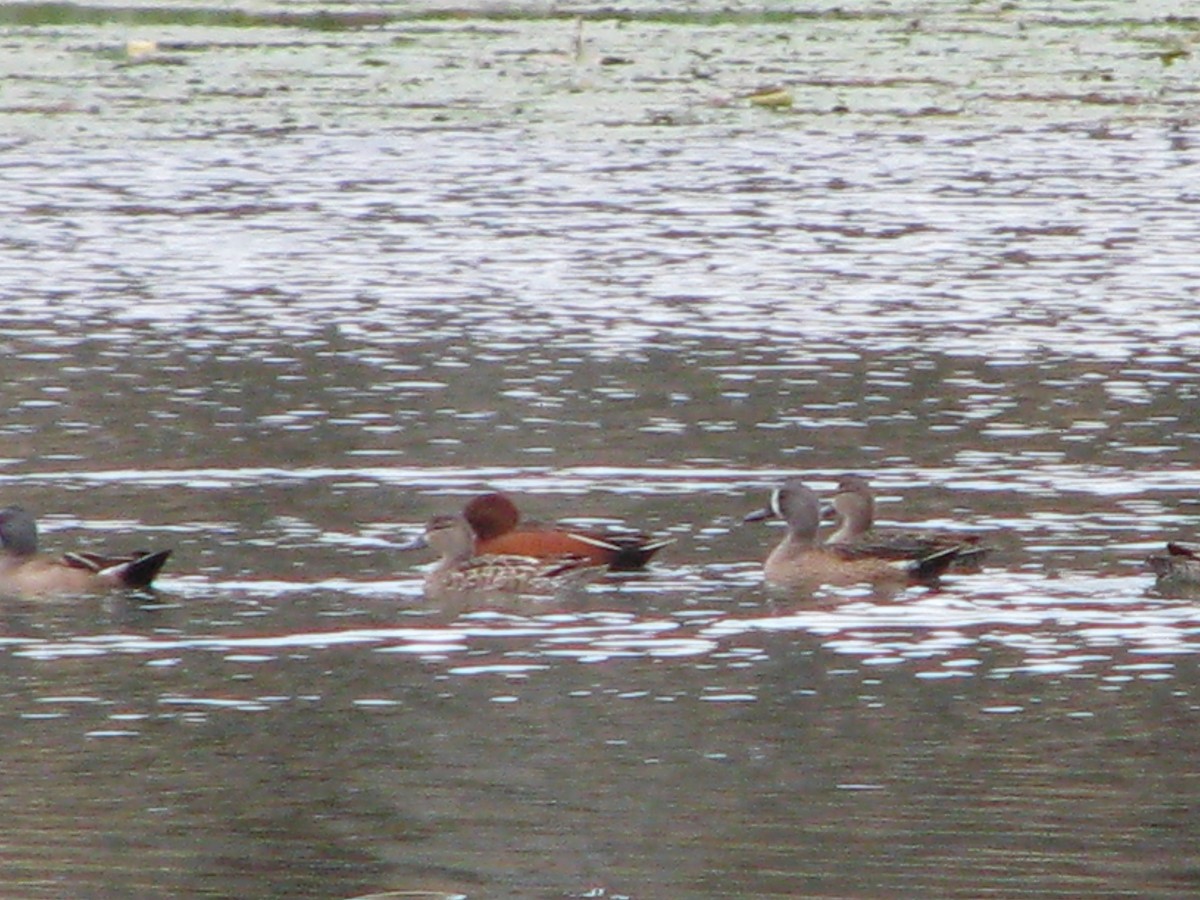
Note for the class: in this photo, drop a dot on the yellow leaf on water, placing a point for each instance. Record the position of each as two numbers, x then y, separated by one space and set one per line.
139 49
774 98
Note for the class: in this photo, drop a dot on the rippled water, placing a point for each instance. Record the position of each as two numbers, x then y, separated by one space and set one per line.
277 295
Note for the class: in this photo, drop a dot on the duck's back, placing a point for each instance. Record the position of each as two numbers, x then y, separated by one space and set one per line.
822 567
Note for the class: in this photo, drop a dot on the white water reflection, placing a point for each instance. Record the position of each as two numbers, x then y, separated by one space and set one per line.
1066 245
972 474
1059 625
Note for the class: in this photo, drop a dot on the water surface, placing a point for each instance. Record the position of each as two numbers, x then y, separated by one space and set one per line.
274 294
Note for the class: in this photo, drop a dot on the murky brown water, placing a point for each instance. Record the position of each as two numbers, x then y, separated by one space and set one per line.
276 295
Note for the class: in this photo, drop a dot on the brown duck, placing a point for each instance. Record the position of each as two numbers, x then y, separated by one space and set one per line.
799 561
25 572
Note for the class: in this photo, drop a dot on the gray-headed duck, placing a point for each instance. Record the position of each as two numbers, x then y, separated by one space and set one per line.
25 572
799 560
854 526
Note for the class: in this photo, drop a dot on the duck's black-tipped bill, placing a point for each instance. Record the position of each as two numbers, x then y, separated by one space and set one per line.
417 543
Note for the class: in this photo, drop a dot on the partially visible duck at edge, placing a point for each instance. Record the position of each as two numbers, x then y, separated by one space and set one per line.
799 560
25 572
1178 568
496 522
854 525
460 570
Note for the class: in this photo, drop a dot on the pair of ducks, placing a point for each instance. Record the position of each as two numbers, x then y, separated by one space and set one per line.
854 553
485 549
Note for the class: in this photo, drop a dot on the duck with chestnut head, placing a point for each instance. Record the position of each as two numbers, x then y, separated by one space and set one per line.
498 528
461 570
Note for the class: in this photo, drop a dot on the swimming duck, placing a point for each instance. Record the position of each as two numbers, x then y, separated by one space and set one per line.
27 573
495 520
854 525
799 560
1178 568
459 570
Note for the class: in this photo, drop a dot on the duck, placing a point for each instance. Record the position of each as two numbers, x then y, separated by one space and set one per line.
853 510
25 572
1178 568
496 522
799 561
462 570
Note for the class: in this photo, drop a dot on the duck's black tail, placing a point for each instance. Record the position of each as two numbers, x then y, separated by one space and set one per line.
140 571
931 567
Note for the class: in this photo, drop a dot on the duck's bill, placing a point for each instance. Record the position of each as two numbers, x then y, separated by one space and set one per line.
417 543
